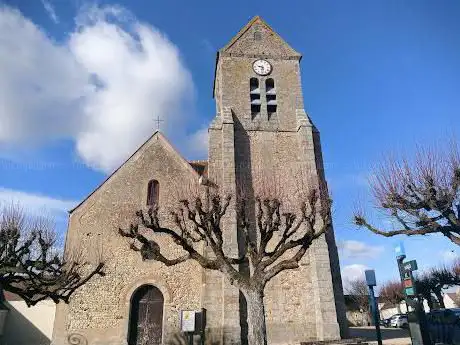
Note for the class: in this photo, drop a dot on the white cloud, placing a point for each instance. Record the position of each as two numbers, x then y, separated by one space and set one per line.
352 272
449 255
35 203
359 250
199 143
102 87
50 11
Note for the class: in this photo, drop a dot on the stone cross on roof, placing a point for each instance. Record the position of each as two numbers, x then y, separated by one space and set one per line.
158 120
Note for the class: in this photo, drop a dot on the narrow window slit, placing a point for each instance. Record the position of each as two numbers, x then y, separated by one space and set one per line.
153 193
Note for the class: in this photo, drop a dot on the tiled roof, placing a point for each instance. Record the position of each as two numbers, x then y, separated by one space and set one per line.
9 296
200 166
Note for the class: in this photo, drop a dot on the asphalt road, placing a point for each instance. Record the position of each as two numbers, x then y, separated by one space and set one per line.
390 336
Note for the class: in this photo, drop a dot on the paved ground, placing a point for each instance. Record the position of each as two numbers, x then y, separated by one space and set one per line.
390 336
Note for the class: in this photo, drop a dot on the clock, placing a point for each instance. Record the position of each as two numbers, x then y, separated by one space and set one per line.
262 67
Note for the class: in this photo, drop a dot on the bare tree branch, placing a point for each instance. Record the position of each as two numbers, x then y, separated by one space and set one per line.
392 292
275 238
358 292
31 267
423 196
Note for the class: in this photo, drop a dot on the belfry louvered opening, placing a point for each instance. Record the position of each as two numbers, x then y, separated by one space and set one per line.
254 93
270 94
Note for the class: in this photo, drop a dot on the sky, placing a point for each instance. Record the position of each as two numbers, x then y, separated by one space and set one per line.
83 83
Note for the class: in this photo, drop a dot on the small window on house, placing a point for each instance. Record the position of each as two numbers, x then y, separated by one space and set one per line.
254 94
270 94
153 193
257 36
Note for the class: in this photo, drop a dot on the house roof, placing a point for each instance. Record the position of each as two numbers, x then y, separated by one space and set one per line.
156 134
452 295
200 166
10 296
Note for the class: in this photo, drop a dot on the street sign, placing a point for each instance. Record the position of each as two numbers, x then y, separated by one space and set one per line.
400 252
410 266
409 291
408 283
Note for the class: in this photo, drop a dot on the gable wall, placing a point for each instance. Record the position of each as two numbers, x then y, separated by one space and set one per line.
270 43
100 310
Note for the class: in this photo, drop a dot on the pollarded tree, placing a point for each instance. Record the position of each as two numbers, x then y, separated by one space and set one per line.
442 278
422 196
30 265
423 287
455 268
392 292
274 242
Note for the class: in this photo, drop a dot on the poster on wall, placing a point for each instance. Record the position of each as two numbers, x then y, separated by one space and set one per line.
187 321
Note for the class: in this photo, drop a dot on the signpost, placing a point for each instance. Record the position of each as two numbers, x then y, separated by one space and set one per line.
416 317
187 323
193 322
371 282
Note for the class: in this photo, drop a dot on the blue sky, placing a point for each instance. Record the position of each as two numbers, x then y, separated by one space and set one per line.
378 77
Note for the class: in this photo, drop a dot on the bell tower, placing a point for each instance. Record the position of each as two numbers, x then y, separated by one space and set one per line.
258 76
262 130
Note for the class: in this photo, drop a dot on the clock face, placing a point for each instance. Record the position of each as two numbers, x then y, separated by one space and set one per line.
262 67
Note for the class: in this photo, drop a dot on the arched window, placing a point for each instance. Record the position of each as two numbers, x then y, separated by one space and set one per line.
257 35
270 94
254 93
153 193
146 316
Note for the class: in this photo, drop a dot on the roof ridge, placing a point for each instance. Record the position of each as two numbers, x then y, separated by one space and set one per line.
161 137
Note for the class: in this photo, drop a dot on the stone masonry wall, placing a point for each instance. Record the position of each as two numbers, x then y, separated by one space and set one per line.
280 153
99 311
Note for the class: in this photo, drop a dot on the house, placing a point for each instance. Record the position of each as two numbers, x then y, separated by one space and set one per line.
27 325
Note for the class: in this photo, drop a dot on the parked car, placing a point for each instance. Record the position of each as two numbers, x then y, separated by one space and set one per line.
399 321
386 322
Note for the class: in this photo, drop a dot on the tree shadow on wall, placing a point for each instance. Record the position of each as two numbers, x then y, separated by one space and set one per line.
244 185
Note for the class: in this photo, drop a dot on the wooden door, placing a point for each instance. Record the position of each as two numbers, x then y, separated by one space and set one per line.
146 319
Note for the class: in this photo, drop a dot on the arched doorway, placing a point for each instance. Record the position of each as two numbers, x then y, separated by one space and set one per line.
146 316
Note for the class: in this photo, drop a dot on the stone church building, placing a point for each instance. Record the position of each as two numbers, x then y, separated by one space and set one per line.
260 127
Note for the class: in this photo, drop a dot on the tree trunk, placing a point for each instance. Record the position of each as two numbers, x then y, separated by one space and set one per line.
440 299
429 300
257 332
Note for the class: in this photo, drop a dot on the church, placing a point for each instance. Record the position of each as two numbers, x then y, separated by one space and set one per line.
260 126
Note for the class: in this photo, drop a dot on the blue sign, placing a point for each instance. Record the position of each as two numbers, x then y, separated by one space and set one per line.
400 251
370 278
409 291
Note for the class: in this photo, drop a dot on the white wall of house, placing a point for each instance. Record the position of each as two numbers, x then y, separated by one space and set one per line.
449 302
29 326
388 312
